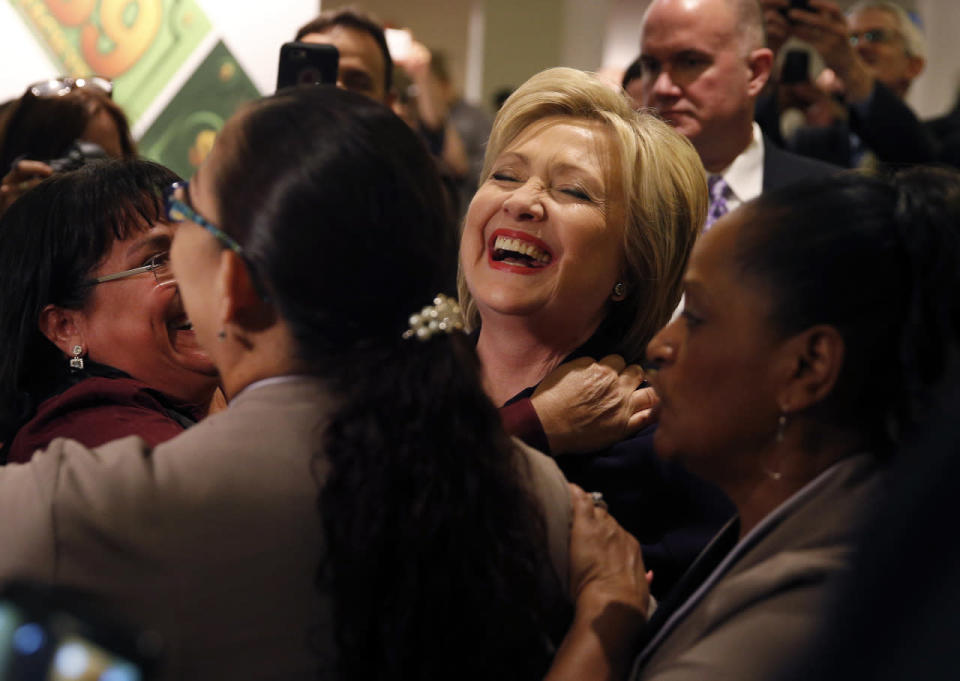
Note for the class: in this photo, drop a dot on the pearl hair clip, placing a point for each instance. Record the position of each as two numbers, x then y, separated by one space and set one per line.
441 317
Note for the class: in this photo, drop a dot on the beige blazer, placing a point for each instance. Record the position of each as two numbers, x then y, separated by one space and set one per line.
213 538
769 602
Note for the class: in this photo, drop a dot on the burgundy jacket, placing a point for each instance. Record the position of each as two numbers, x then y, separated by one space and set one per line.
98 410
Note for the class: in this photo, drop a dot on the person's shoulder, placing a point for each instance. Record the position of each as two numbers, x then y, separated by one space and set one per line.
268 438
540 470
94 411
781 167
548 486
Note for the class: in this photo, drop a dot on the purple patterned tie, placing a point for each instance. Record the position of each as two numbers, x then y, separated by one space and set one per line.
718 200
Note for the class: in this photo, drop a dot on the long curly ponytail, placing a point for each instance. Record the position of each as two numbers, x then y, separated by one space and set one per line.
435 549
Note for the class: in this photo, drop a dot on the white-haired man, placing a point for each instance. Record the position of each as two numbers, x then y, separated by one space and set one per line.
875 52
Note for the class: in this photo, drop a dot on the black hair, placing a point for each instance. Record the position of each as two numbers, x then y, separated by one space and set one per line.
43 128
436 549
51 239
878 258
634 71
351 17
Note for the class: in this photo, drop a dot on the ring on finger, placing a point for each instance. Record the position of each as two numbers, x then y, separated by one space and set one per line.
598 500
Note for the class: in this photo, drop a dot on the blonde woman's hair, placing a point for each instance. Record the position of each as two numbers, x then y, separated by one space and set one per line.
664 190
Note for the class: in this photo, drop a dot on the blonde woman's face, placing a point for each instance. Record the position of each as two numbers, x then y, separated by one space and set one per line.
543 237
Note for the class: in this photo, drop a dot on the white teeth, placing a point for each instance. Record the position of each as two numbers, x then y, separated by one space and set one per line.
519 246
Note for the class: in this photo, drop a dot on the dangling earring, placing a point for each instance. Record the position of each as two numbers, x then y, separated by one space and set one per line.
778 438
619 291
76 362
781 427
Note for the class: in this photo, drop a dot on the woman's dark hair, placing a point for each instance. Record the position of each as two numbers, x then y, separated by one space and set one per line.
51 239
436 551
43 128
879 259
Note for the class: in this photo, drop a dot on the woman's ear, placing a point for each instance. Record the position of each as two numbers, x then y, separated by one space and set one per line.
812 362
63 327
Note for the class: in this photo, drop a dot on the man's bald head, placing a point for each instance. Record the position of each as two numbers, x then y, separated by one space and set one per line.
703 65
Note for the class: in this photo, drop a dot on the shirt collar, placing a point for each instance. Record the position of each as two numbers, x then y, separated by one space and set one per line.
745 175
273 380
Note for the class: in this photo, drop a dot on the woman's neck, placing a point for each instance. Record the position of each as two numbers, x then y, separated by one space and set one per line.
249 357
787 468
514 356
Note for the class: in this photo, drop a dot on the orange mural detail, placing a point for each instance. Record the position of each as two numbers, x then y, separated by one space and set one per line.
71 12
130 38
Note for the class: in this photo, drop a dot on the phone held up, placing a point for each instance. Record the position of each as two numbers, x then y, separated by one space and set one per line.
796 67
399 42
307 64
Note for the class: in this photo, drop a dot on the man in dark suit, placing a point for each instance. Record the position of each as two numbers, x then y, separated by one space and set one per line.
704 63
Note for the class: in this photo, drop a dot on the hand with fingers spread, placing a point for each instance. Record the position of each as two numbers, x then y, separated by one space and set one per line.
585 405
23 176
610 588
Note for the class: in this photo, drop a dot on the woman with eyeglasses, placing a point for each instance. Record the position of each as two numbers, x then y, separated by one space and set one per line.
58 124
94 341
357 511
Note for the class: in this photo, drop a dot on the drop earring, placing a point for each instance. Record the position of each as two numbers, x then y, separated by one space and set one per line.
781 427
778 438
76 362
619 291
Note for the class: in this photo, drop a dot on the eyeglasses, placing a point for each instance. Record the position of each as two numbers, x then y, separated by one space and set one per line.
177 210
874 36
158 265
57 87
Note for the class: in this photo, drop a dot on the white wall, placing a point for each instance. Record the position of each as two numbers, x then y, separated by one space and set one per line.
623 32
935 91
24 61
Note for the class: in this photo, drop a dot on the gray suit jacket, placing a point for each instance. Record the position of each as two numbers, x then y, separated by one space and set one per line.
769 599
213 538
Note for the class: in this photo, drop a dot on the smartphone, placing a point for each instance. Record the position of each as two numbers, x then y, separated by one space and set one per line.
796 67
48 634
399 41
307 64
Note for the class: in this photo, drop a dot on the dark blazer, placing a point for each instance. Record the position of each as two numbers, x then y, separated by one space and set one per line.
887 126
946 131
781 167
